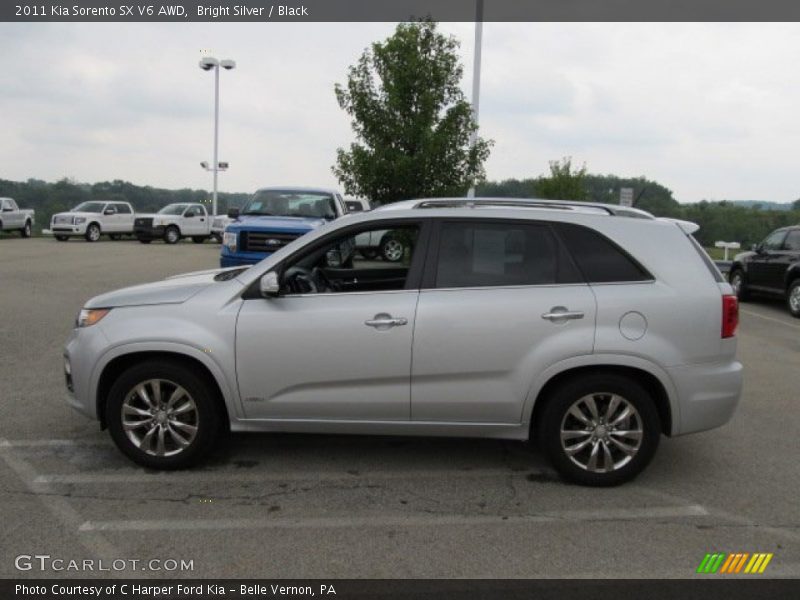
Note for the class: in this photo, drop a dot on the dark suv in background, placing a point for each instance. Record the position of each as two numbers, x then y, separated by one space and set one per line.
771 268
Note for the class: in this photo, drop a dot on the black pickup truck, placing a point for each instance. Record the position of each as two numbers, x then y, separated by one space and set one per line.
771 268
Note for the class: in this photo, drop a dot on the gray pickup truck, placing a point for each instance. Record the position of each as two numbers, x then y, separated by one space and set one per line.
12 218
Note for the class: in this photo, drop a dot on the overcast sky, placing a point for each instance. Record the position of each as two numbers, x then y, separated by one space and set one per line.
709 110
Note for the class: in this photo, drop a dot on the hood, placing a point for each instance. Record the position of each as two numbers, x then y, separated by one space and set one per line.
173 290
275 223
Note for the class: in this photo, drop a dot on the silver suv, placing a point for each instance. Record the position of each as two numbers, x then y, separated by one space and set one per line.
592 329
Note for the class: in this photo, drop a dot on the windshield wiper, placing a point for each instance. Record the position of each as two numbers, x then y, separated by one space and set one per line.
258 214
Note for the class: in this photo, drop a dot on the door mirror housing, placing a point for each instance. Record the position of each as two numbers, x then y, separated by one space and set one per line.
269 285
233 213
109 211
189 214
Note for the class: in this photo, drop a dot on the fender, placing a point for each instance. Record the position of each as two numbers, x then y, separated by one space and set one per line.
599 360
229 389
792 273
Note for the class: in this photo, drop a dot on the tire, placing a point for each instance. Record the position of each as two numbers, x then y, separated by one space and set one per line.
793 298
27 230
368 253
144 240
392 249
199 239
92 232
114 237
216 237
203 415
172 235
602 389
62 238
738 282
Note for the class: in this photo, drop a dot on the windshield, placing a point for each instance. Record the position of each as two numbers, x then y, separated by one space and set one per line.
286 203
89 207
173 209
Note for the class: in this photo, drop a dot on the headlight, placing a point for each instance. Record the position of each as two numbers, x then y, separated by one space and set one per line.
158 222
229 240
79 220
90 316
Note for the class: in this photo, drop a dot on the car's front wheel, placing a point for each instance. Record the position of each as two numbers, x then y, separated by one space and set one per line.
162 415
793 298
739 285
92 232
26 231
172 235
600 429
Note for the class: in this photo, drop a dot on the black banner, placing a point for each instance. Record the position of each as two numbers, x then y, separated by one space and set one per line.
488 589
399 10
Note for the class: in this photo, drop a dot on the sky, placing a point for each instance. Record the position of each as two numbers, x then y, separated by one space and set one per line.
711 111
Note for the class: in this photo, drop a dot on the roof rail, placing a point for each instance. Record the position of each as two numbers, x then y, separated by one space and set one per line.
526 203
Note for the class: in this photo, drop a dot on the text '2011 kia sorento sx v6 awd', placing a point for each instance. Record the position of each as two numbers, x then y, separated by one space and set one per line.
591 329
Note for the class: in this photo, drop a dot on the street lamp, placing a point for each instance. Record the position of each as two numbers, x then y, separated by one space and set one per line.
207 64
476 77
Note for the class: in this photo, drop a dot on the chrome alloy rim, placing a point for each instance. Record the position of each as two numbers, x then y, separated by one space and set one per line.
794 299
601 432
393 250
159 417
172 236
736 283
94 233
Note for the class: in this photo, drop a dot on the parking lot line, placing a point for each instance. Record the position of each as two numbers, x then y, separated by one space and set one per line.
780 321
48 443
203 477
411 520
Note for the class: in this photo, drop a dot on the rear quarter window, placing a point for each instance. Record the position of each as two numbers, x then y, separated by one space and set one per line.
712 268
599 259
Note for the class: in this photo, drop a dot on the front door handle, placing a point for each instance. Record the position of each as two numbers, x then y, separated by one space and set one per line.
560 314
383 321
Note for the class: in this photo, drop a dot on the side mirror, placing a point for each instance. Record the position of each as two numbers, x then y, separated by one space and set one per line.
233 213
189 215
269 285
109 211
755 248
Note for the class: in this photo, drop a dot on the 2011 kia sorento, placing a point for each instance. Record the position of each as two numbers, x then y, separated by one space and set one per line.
592 329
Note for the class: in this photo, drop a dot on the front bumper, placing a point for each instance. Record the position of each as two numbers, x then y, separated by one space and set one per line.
709 394
83 349
65 229
149 233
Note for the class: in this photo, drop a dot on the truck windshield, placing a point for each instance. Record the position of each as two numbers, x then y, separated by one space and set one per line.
173 209
291 204
89 207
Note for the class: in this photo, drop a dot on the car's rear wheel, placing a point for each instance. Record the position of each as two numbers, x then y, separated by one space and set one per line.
172 235
92 232
62 238
26 231
392 249
600 429
793 298
162 415
739 285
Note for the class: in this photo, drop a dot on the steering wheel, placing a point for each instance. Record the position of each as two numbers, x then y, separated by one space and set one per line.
300 281
322 282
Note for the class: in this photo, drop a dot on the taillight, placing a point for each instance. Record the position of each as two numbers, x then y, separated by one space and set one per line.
730 315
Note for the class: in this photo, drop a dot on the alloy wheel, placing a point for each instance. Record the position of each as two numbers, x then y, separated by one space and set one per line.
794 299
392 250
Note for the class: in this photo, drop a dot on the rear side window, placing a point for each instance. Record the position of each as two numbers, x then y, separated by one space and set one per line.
598 258
122 209
792 241
500 254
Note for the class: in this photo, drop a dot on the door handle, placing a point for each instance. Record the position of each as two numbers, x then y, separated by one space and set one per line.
561 313
383 321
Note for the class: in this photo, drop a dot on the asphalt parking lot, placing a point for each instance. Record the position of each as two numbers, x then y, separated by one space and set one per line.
323 506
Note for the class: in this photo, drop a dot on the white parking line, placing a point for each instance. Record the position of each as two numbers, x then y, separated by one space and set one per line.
49 443
780 321
206 477
413 520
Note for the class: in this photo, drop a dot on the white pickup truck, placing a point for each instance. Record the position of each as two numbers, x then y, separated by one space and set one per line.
93 219
13 218
174 222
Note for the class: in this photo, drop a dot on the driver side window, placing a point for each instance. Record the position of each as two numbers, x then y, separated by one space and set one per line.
374 260
774 241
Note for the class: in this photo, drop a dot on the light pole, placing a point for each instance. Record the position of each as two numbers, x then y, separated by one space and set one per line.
208 63
476 77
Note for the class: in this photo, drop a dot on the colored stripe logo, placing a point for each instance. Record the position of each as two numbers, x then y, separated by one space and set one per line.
737 562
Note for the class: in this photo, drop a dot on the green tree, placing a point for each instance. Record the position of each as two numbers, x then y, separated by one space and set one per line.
563 183
411 120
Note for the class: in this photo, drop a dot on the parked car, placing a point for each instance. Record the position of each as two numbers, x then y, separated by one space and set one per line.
573 324
173 223
375 244
355 205
218 225
273 218
91 220
13 218
771 268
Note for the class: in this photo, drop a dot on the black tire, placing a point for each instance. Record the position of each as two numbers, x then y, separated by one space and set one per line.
738 281
62 238
172 235
92 232
389 249
26 231
208 414
600 386
144 240
199 239
114 237
793 298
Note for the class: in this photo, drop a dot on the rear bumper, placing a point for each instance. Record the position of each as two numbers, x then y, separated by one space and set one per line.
709 394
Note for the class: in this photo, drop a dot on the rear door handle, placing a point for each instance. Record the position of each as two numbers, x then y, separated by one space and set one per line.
561 313
383 321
